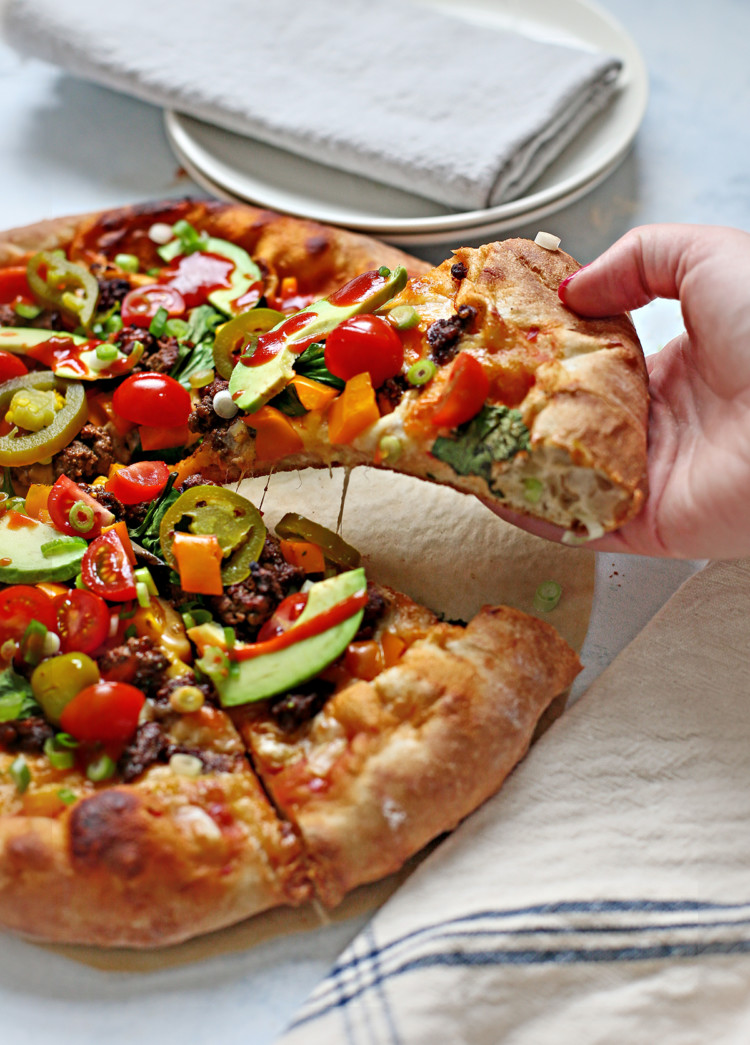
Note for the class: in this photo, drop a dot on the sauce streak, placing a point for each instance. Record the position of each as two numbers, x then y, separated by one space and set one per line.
270 344
197 275
357 289
313 626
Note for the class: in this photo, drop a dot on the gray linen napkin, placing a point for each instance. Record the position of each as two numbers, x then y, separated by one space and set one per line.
604 894
459 113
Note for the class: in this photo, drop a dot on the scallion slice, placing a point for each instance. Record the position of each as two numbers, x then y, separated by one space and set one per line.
159 322
60 758
421 372
547 596
101 768
20 774
403 317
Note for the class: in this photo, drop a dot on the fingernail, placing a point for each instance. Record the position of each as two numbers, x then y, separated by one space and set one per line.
561 290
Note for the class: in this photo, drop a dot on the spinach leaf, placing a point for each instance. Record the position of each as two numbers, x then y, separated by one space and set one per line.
196 350
147 534
311 363
497 433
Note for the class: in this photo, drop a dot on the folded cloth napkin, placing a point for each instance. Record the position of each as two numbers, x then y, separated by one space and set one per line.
604 895
401 93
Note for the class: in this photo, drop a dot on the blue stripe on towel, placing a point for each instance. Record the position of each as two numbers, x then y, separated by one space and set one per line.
369 966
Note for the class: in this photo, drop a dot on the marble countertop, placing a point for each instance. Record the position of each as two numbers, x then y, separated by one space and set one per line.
71 146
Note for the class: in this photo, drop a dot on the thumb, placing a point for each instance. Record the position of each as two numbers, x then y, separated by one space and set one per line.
646 263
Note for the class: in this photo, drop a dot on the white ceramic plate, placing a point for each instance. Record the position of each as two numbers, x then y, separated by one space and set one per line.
243 168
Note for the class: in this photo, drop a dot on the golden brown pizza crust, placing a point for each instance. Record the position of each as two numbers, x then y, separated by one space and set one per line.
390 764
580 387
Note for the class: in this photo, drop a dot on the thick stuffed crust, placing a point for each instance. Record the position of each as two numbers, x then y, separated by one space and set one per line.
393 763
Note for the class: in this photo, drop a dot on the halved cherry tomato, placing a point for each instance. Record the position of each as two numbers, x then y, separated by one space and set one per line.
14 285
148 397
364 343
11 366
105 568
19 605
465 392
86 520
285 614
82 620
140 305
106 711
142 481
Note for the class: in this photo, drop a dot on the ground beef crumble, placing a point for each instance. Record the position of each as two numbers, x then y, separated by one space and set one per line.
90 454
137 661
26 734
204 418
150 745
443 335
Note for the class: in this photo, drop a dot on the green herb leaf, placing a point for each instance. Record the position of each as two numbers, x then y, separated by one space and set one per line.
288 402
311 363
147 534
497 433
16 697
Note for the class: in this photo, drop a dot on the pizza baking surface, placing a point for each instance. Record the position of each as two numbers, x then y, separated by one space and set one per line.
203 716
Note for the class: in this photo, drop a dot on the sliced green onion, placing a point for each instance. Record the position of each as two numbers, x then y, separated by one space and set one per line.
20 774
79 582
159 322
384 271
421 372
81 517
143 576
127 262
403 317
390 447
186 699
230 637
65 740
532 489
67 796
32 643
107 352
547 596
61 544
59 759
142 594
113 323
26 310
101 768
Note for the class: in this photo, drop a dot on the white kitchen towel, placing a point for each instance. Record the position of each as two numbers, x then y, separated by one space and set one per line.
603 896
398 92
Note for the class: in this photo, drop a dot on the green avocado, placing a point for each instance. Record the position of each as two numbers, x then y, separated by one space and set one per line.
245 274
252 386
36 552
278 672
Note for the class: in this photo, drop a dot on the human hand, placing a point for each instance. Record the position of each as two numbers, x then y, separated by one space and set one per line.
699 430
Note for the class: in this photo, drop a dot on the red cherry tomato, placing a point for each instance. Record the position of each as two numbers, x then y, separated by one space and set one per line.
140 305
87 521
106 712
465 393
285 614
11 366
14 286
19 605
364 343
82 620
146 399
105 569
142 481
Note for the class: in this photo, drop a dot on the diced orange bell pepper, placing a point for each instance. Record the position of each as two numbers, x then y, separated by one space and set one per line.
36 499
199 562
157 437
275 435
101 410
51 589
121 529
313 395
393 647
354 410
304 555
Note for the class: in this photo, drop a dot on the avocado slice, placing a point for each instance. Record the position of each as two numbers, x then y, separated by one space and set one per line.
252 386
244 275
278 672
34 552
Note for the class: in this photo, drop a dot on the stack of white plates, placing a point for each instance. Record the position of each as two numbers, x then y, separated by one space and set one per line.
234 167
